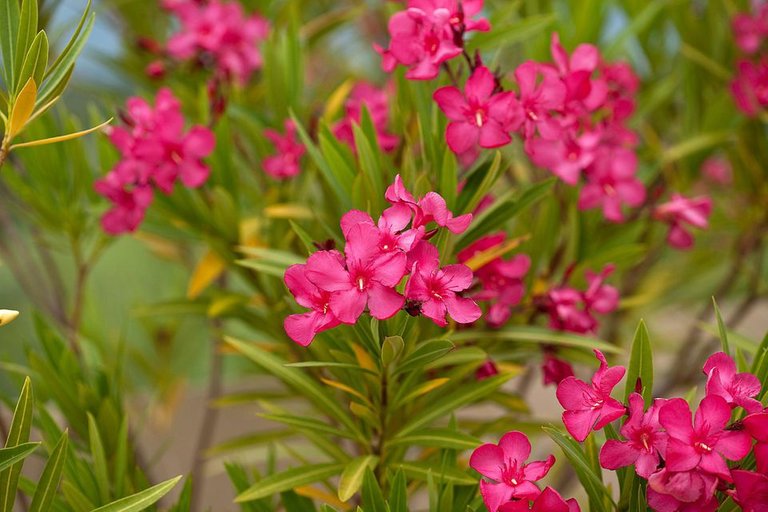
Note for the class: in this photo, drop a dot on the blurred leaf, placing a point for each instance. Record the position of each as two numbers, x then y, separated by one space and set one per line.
207 270
694 145
35 61
504 35
444 475
141 500
424 354
538 335
439 438
9 27
61 138
722 331
289 479
22 108
98 459
373 499
398 493
49 480
14 454
352 477
641 365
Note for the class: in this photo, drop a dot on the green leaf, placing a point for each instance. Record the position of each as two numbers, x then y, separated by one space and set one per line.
443 475
18 434
398 493
25 38
468 394
35 60
439 438
694 145
49 480
723 332
424 354
10 456
370 164
289 479
307 424
9 29
538 335
352 477
297 380
373 499
505 35
639 23
141 500
99 459
641 365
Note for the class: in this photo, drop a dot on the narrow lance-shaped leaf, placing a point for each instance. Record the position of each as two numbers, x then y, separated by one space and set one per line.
141 500
22 108
26 36
9 28
61 138
10 456
640 365
18 434
35 60
352 477
49 480
722 331
289 479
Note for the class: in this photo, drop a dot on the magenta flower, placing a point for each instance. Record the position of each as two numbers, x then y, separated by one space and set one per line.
680 211
554 369
757 426
155 152
748 88
430 208
219 31
738 389
302 328
718 170
367 280
590 406
686 491
486 370
611 183
429 33
500 280
751 490
480 115
548 501
285 163
706 443
567 156
644 443
376 101
539 99
577 72
505 464
750 30
436 289
573 310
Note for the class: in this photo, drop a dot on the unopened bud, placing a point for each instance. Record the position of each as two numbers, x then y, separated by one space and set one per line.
7 316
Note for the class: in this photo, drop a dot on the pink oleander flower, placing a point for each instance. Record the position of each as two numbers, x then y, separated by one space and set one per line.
611 183
750 30
749 87
505 464
555 370
302 328
376 101
392 235
718 170
539 99
751 490
548 501
706 443
285 163
430 208
645 440
590 406
680 211
757 426
686 491
436 289
368 279
481 116
738 389
219 31
486 370
567 156
577 72
573 310
429 33
500 280
155 152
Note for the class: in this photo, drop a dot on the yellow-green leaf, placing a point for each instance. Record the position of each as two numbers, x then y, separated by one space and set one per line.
61 138
22 108
352 477
208 269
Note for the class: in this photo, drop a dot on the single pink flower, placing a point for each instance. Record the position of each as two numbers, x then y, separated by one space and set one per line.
751 490
302 328
548 501
706 443
750 30
480 115
505 464
681 211
738 389
539 100
130 203
748 88
576 71
430 208
685 491
567 156
573 310
392 235
600 297
611 183
590 406
376 101
718 170
436 289
757 426
554 369
367 280
285 163
645 440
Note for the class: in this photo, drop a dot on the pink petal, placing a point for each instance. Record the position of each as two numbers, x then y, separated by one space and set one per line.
302 328
451 102
734 444
579 423
675 417
352 217
494 495
326 271
434 310
550 501
199 142
488 460
515 445
537 470
572 393
616 454
348 305
681 456
384 302
713 412
461 136
480 85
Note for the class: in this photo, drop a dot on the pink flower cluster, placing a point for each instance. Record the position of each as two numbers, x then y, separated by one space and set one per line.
155 152
429 33
338 287
681 211
571 116
376 102
219 33
683 456
512 487
574 310
285 162
749 87
500 281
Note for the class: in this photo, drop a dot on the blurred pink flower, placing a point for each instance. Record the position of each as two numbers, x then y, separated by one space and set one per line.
573 310
682 491
611 183
749 88
505 464
285 163
554 369
750 30
538 100
590 406
376 101
486 370
480 115
751 490
681 211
